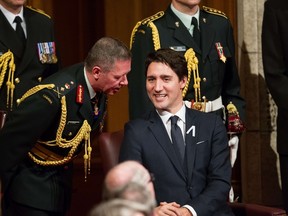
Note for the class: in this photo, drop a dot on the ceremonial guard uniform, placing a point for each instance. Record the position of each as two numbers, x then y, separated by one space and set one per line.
54 134
34 60
215 85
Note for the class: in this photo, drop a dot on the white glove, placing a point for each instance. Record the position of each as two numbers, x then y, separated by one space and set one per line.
233 144
187 103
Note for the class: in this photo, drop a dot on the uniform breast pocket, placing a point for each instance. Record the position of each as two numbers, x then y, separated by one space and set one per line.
217 65
71 129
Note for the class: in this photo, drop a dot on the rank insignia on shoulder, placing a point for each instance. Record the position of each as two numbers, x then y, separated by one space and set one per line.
38 10
47 52
214 11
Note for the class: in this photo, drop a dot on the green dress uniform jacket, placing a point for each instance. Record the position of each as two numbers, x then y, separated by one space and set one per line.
218 78
37 120
29 69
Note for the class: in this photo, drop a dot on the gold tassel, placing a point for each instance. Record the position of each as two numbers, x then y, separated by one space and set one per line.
7 60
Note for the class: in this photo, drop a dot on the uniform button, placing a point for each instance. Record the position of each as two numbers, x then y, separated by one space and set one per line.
204 79
39 79
18 101
17 80
70 134
66 167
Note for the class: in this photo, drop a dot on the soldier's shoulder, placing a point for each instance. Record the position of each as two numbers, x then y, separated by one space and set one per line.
214 11
38 11
152 18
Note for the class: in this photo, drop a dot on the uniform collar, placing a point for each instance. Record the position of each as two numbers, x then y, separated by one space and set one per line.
92 93
185 18
10 16
165 116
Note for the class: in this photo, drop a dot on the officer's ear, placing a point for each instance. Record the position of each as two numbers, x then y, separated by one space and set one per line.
96 72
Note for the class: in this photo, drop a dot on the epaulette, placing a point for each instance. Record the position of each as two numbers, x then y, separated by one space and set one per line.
144 22
152 18
38 10
214 11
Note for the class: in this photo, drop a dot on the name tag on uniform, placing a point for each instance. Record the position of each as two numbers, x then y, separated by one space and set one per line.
178 48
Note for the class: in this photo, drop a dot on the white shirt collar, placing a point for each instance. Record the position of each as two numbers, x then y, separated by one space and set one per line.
92 93
165 116
10 16
185 18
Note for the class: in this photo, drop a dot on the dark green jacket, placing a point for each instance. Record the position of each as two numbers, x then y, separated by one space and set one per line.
37 118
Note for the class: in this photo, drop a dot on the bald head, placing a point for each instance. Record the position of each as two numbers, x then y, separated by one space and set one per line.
125 173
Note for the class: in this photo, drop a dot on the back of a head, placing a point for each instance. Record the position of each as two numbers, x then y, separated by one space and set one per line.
130 180
120 207
122 174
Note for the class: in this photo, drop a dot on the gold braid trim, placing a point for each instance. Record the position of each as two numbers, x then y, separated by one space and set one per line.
132 38
144 22
7 60
192 65
214 11
82 135
155 35
34 90
38 10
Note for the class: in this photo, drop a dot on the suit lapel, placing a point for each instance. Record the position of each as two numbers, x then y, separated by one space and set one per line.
207 34
159 131
190 140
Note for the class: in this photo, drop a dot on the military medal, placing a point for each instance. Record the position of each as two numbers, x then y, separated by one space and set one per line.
79 94
220 52
47 52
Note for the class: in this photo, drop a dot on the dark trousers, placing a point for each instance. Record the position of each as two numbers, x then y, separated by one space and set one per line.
284 180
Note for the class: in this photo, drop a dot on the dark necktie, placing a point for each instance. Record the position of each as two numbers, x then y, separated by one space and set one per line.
19 30
196 32
177 136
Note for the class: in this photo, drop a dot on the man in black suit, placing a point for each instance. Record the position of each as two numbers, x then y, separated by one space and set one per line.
35 57
197 177
52 124
275 62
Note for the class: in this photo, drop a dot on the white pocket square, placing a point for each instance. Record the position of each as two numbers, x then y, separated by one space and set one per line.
200 142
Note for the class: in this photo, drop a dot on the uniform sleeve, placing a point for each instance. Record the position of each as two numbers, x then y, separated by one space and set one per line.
24 127
139 103
231 86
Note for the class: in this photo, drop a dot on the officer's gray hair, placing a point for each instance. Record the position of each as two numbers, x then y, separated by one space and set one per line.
105 52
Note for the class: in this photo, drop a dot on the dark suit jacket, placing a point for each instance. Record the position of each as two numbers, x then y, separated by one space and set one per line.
29 69
275 62
205 182
37 118
218 78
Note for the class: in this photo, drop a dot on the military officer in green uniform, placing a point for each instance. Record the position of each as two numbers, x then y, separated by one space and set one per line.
52 124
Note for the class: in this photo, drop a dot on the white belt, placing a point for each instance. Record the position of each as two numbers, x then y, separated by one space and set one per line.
210 106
